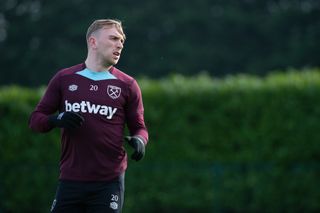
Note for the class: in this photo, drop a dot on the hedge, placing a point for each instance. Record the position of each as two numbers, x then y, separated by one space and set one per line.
241 143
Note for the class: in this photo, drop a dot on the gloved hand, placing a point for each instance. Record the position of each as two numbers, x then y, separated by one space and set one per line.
138 146
68 120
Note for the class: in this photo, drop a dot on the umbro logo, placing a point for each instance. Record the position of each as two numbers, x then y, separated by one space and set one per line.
73 87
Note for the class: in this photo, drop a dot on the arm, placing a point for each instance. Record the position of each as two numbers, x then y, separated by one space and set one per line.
135 113
42 120
135 122
49 104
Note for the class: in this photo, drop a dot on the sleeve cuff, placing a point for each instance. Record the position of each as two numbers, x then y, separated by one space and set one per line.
140 138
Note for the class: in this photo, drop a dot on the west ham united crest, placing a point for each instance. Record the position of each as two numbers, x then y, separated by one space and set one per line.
113 91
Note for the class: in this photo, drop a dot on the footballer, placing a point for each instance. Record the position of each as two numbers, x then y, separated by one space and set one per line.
91 103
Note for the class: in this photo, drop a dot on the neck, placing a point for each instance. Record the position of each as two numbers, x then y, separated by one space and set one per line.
96 65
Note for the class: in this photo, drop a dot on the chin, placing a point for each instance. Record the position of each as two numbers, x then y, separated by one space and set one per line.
114 62
111 62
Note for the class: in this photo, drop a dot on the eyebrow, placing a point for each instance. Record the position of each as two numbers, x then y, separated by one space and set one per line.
120 37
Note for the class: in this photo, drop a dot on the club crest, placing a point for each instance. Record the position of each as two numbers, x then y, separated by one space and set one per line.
113 91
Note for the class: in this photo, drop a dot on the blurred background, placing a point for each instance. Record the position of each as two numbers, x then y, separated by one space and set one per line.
231 93
219 37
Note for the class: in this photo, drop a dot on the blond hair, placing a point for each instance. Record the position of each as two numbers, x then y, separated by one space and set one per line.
101 23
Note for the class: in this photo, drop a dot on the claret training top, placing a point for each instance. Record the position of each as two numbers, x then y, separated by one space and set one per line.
107 100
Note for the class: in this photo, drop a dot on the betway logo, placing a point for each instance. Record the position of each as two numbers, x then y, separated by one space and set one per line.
87 107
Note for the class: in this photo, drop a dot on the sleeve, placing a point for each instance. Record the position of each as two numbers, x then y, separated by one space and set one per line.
48 105
135 113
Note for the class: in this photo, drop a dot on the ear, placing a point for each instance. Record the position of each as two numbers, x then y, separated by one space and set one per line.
92 42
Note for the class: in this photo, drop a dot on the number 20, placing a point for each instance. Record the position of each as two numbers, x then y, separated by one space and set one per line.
114 197
93 87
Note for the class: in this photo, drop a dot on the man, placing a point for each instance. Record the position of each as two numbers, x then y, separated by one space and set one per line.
95 101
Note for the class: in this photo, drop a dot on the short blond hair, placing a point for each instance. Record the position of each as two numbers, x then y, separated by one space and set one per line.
101 23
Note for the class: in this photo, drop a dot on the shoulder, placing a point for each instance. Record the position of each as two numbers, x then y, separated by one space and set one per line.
61 74
125 78
131 83
70 70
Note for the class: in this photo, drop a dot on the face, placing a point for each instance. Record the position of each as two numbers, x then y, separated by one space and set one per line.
107 44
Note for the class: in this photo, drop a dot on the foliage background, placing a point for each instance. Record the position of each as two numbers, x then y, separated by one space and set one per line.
243 144
231 92
39 37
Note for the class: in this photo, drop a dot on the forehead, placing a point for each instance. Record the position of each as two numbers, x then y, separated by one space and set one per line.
112 30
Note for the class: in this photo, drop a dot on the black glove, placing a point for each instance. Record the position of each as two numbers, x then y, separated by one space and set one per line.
138 146
68 120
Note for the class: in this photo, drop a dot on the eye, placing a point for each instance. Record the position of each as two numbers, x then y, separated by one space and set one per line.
114 38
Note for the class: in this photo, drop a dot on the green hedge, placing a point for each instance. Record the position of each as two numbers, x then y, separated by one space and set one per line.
236 144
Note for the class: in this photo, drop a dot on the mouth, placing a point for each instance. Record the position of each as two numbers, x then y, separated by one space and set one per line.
116 54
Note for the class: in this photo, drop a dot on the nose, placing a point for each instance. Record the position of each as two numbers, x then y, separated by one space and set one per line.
120 45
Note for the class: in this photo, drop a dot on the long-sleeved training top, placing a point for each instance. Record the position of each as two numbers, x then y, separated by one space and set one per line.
108 101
